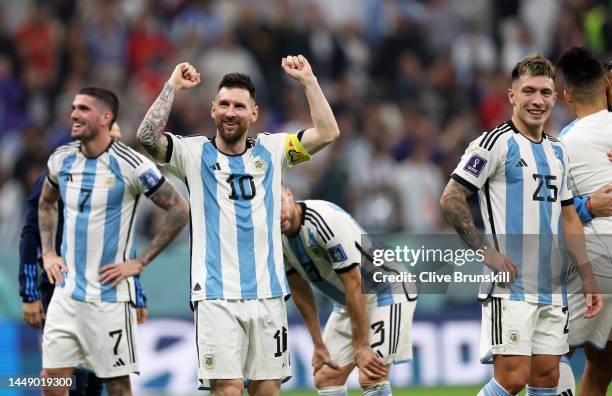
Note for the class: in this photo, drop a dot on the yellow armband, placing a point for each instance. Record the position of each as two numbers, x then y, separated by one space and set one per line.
295 151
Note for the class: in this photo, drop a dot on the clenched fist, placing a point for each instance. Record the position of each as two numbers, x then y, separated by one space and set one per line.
298 68
184 76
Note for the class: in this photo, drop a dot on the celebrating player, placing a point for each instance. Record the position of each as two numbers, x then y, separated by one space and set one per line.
37 295
587 140
520 173
91 318
321 248
237 274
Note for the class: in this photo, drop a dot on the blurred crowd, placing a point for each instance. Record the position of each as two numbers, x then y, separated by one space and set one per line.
411 82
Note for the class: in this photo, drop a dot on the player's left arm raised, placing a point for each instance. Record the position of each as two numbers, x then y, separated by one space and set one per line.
177 216
325 128
573 235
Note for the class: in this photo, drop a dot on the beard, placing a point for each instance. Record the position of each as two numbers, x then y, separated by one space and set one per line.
85 134
231 137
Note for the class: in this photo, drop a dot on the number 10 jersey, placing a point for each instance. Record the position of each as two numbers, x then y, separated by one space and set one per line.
522 186
236 247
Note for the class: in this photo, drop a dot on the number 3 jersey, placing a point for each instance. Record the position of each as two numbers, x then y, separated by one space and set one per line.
236 248
100 198
521 186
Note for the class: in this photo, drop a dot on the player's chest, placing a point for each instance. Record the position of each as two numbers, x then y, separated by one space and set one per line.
538 169
84 186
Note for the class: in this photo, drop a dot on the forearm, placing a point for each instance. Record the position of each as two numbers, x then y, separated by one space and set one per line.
175 220
321 113
573 235
455 209
357 308
47 223
149 132
307 307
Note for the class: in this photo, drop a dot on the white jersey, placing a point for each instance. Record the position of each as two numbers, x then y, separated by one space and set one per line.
328 243
236 250
100 197
587 141
521 187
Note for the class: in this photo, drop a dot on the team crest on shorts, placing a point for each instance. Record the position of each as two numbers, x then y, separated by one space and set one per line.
209 361
514 337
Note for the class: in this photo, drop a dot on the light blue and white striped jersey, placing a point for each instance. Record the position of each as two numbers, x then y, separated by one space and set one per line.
100 198
235 200
587 141
328 244
522 186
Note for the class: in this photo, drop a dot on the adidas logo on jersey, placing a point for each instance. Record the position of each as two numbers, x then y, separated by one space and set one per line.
521 164
216 166
118 363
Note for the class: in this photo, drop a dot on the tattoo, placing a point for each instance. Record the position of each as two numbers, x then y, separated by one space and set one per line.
455 209
47 218
151 128
177 216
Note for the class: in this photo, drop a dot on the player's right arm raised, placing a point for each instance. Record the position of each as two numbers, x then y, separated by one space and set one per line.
149 132
47 222
455 208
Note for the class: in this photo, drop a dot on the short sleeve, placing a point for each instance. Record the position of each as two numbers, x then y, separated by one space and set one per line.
53 166
478 163
567 196
146 178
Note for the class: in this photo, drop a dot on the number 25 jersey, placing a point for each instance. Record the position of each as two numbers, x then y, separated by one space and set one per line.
236 247
521 186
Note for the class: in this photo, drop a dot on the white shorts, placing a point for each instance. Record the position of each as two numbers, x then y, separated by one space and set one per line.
390 334
596 331
99 335
244 339
522 328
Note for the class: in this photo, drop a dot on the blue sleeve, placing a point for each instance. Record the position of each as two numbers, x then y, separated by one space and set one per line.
141 299
580 203
29 247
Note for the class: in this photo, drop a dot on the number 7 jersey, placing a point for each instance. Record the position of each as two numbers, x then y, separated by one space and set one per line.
236 247
521 186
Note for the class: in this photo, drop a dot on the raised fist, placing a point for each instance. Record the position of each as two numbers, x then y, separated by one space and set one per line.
298 68
184 76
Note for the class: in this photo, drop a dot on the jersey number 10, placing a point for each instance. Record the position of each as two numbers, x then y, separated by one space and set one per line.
243 187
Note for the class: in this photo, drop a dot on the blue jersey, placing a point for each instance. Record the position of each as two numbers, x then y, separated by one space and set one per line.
521 186
100 198
236 250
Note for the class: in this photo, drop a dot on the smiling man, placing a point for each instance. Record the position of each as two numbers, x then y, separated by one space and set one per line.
520 174
237 273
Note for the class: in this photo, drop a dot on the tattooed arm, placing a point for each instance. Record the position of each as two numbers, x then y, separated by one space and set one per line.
177 216
47 223
455 208
150 130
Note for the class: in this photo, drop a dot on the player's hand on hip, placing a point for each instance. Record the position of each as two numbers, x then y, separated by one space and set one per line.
592 296
54 266
33 313
500 262
601 201
370 363
141 314
610 155
117 272
321 357
298 68
184 76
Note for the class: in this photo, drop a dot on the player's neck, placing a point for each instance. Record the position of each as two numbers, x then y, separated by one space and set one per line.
93 148
236 148
583 110
532 133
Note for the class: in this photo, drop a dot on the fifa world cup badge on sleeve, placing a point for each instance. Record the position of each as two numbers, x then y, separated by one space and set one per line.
296 152
475 165
336 253
149 179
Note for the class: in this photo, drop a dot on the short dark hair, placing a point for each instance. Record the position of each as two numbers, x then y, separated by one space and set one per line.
583 72
533 65
608 65
105 96
238 80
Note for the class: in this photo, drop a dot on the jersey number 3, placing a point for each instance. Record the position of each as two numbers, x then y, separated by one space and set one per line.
243 187
545 181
